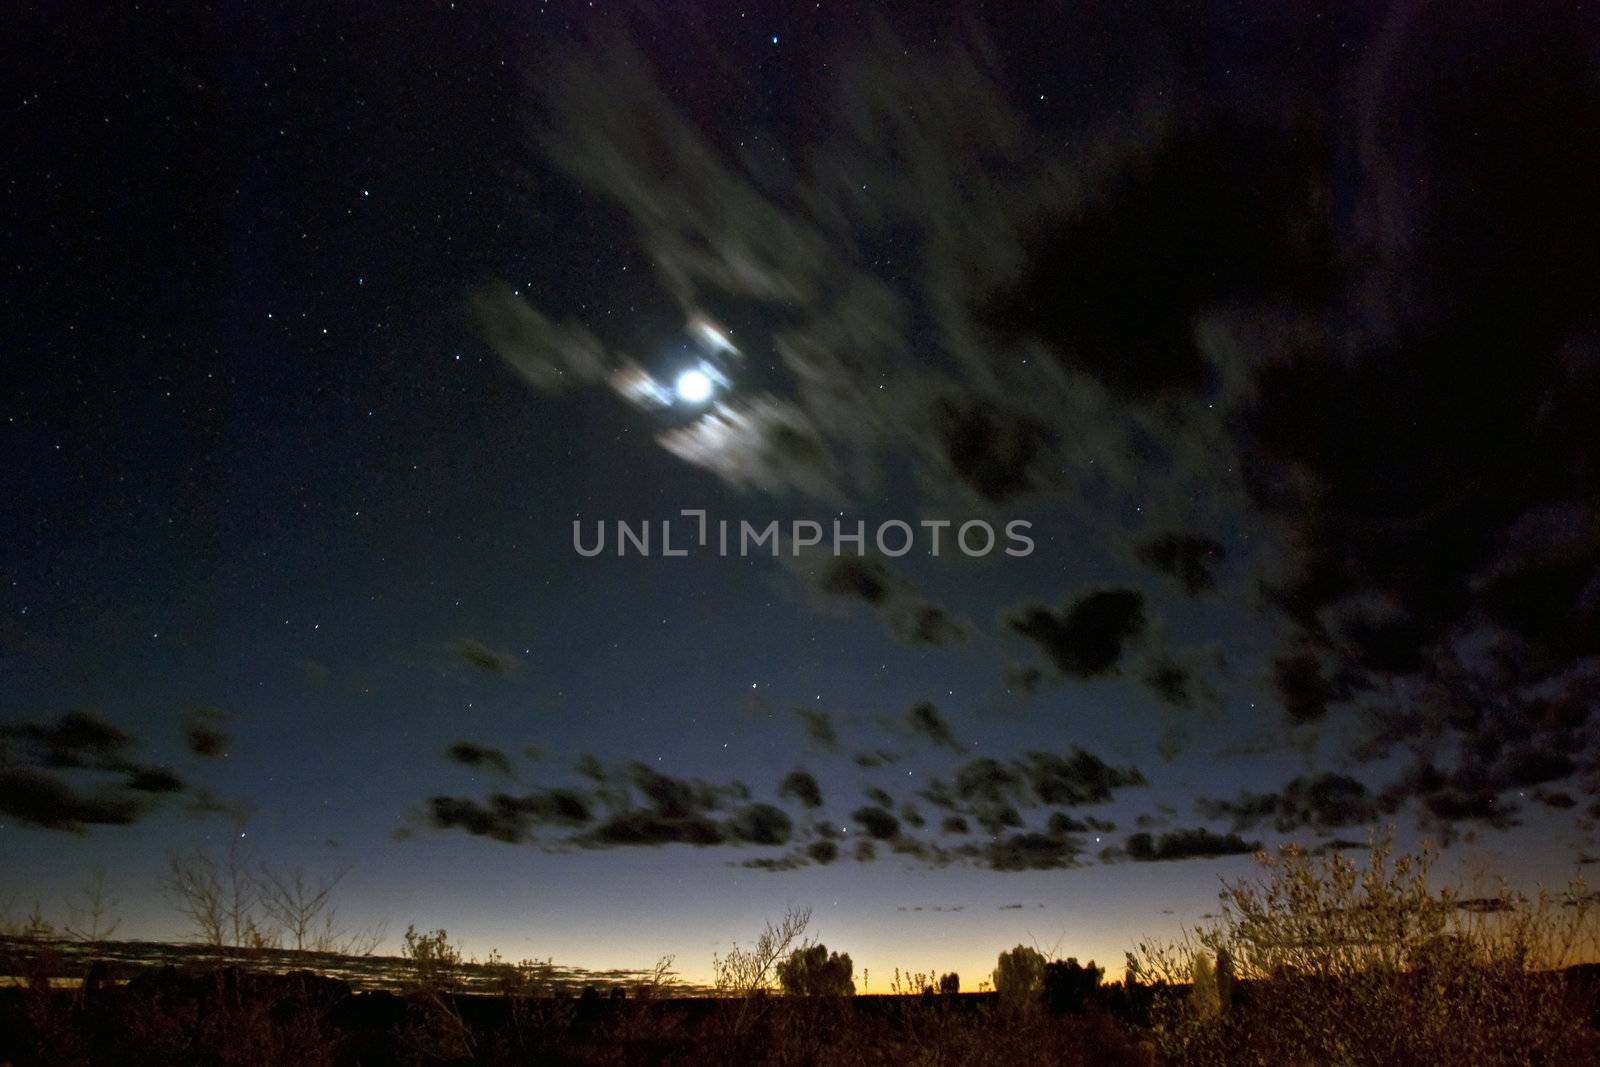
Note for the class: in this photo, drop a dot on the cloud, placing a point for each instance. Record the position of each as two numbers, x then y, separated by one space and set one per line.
550 356
46 800
1320 802
864 578
761 824
1185 844
513 819
76 739
1261 315
1024 680
877 822
1030 852
472 754
205 733
993 791
1169 681
991 451
1186 558
819 727
485 658
871 580
1305 690
822 852
801 786
1087 640
924 719
77 772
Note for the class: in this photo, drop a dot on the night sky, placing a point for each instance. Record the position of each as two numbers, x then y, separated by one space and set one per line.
323 325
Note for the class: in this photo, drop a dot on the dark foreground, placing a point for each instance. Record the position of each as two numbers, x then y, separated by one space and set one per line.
235 1016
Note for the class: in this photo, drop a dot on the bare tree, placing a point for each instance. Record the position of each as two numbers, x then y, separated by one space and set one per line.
743 971
93 909
302 909
219 897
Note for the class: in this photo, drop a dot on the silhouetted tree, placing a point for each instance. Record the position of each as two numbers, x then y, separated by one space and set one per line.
815 972
93 910
1203 987
1018 975
219 897
1068 985
950 984
1224 978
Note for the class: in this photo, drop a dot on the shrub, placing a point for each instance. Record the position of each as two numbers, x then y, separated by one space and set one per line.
1018 975
1068 985
1335 963
815 972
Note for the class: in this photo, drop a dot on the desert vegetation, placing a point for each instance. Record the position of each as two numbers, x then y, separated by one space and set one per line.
1318 959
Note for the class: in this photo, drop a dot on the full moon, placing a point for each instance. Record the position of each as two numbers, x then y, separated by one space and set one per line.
694 386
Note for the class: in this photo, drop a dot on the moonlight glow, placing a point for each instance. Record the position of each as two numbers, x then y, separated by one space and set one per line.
694 386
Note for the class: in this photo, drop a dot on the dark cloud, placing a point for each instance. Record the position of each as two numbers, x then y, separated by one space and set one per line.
39 798
1320 802
823 852
801 786
1305 690
514 819
1555 798
819 727
155 780
1111 284
206 734
997 817
1458 585
1023 679
918 622
103 785
485 658
924 719
871 760
1087 640
1079 777
1169 681
1030 852
472 754
870 579
639 827
1185 844
864 578
877 822
990 450
761 824
1354 332
1186 558
206 802
76 739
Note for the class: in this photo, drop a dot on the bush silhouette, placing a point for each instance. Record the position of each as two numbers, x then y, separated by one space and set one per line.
1321 960
1018 975
815 972
1068 985
950 984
